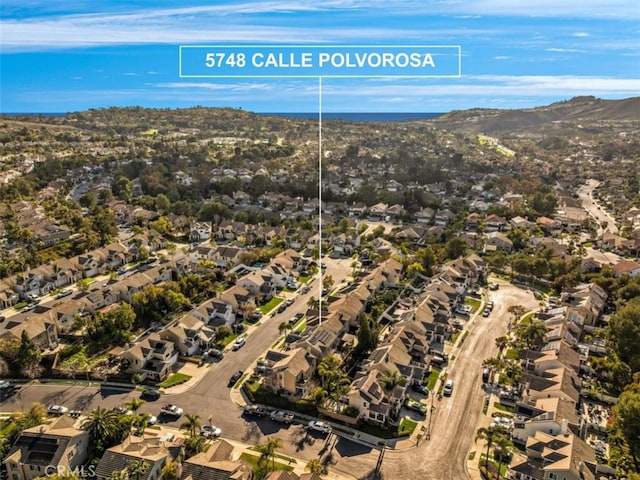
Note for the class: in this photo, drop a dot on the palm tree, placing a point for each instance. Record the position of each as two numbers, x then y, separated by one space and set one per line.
502 342
194 445
119 475
489 435
170 471
501 448
391 379
313 303
134 404
191 424
136 468
328 366
102 426
267 450
282 328
314 466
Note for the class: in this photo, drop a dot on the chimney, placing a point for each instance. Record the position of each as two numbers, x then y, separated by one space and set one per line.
565 427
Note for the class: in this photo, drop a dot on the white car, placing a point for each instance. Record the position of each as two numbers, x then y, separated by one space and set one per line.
172 410
57 410
210 431
319 426
448 388
237 345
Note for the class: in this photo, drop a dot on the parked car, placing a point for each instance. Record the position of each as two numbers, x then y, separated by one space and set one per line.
447 390
2 318
58 410
234 378
420 388
150 394
123 410
210 431
494 286
30 307
151 419
171 410
486 312
238 327
290 301
257 410
238 344
215 353
319 426
64 293
282 307
416 406
282 416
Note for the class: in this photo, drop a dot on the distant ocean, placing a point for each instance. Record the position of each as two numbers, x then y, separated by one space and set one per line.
346 116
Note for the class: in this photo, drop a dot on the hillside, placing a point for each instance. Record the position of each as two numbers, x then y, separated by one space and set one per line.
580 112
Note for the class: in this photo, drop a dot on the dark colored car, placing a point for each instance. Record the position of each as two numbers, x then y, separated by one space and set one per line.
257 410
234 378
150 394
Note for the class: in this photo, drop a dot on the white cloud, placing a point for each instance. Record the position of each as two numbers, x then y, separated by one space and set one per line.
580 34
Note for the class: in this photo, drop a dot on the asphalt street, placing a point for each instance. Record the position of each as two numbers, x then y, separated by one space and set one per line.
442 456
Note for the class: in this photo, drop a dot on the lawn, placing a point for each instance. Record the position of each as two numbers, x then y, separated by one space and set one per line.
407 426
512 354
270 305
503 408
174 379
474 303
528 317
433 378
304 278
301 325
254 459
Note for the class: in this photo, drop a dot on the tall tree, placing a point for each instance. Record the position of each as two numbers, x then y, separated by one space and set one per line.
191 424
626 414
489 435
136 469
624 333
267 451
102 426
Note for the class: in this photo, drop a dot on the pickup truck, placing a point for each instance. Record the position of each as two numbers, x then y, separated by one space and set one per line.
171 410
282 416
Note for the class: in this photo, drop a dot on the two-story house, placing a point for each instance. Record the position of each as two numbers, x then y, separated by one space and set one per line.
152 358
45 449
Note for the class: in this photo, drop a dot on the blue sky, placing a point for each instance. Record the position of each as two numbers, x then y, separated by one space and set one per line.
73 55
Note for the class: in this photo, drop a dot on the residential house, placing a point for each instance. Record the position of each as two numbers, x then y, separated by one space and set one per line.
215 463
443 217
200 231
555 457
290 372
45 449
190 335
368 395
153 358
40 329
240 299
225 256
495 223
425 215
500 241
548 415
626 267
150 448
259 283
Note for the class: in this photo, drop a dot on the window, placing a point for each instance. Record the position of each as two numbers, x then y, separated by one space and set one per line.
553 476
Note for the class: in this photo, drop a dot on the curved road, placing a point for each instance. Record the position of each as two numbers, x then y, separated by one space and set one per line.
453 427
